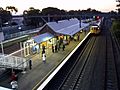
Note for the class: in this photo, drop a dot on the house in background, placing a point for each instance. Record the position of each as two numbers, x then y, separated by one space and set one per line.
17 20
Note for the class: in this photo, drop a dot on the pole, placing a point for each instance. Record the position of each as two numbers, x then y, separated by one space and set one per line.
48 18
80 22
1 31
22 57
21 49
39 51
2 48
2 40
2 52
0 23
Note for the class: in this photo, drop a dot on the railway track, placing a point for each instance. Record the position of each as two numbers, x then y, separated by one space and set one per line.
116 49
111 74
74 77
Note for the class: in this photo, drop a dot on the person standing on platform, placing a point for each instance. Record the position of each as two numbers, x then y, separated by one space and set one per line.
52 48
78 38
44 57
63 47
13 77
30 64
56 48
14 85
58 45
43 48
43 52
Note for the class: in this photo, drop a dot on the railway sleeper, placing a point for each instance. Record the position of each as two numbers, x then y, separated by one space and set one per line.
111 75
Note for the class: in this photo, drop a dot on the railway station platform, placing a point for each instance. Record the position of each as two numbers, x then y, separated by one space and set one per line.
40 70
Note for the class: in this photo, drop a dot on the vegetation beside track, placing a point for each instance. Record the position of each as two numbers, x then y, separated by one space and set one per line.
116 29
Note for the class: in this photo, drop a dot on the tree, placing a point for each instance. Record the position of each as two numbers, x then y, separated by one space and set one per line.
12 8
54 13
1 9
89 9
31 16
31 8
51 11
118 5
5 16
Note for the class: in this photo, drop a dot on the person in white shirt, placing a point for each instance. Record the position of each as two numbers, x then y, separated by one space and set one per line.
14 85
44 57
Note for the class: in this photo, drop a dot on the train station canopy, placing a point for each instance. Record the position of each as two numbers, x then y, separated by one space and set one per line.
67 27
42 37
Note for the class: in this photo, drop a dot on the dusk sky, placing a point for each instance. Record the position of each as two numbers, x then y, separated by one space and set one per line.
101 5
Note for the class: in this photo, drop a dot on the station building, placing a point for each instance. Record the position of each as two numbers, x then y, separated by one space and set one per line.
54 33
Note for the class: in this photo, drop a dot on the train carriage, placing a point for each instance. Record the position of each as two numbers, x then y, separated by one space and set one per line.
94 29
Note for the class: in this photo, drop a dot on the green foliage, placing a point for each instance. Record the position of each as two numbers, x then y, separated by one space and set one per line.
51 11
117 33
116 28
29 16
5 16
11 8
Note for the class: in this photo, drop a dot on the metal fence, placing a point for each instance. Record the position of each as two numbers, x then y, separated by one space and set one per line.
27 32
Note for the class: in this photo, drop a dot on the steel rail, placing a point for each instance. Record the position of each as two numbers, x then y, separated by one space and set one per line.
111 78
75 67
75 63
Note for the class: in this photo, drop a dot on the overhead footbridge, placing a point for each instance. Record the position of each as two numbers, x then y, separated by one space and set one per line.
14 62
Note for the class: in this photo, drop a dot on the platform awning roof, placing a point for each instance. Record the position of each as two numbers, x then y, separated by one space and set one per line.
42 37
67 27
73 29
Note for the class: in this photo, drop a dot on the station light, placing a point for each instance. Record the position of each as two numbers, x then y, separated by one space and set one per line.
94 17
98 17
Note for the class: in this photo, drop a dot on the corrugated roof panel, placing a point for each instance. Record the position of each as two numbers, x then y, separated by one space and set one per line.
42 37
69 27
70 30
62 24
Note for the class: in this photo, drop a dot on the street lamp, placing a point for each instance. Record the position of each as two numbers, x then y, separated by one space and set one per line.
1 37
19 27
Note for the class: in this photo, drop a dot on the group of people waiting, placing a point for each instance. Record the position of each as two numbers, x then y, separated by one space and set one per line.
56 48
60 44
